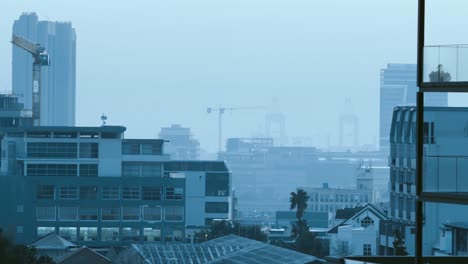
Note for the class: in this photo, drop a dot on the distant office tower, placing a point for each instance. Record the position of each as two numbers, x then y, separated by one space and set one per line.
181 145
398 88
58 79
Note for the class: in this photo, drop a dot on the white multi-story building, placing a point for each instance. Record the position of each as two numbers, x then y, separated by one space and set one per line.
93 187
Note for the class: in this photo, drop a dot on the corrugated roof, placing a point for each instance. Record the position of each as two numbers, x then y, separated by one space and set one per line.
52 241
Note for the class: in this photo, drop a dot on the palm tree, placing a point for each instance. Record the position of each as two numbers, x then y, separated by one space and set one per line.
298 201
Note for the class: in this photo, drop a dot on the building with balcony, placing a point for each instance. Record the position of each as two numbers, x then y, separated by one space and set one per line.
94 187
445 160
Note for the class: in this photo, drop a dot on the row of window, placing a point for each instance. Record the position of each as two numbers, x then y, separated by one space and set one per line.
109 234
148 193
62 150
339 197
136 169
126 213
136 148
85 170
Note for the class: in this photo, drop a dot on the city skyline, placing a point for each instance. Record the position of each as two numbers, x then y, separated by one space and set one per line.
229 56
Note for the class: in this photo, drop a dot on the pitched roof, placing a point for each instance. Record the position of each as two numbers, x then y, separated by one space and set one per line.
378 212
227 249
83 255
52 241
347 212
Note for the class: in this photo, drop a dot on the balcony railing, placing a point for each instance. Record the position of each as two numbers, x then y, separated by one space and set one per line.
446 65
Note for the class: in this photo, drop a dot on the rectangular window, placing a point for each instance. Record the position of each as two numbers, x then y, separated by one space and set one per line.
45 192
44 230
110 214
89 150
131 193
151 170
130 148
68 213
88 214
131 213
110 193
131 169
51 150
69 233
130 234
45 213
216 207
217 184
152 213
51 170
110 234
174 213
88 170
367 249
88 192
429 136
151 234
152 193
174 193
68 192
151 148
88 233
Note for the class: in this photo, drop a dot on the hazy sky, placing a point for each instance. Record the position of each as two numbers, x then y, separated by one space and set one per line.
147 64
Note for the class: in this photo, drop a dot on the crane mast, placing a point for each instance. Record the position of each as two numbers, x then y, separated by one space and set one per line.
41 58
221 110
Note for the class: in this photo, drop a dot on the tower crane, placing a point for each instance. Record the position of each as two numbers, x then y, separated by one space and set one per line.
221 110
41 58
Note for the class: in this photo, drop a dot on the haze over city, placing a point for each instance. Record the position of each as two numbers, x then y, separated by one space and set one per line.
147 64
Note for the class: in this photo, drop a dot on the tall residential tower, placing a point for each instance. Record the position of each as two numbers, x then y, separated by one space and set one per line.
58 80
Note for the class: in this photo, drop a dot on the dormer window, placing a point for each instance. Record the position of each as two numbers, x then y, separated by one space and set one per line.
367 221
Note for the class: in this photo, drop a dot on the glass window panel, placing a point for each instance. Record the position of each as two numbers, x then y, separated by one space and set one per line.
89 150
216 207
110 234
131 213
130 148
110 193
174 193
88 214
151 170
110 214
152 213
68 213
68 192
131 193
46 213
69 233
88 192
174 213
217 184
45 192
151 193
88 234
131 169
44 230
88 170
151 234
151 148
130 234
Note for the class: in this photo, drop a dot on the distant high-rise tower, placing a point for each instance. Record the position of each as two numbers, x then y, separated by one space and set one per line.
181 145
58 80
398 88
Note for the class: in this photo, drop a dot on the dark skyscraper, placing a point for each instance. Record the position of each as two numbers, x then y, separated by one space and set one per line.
58 80
398 88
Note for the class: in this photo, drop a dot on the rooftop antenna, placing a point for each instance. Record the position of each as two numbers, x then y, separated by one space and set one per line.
104 119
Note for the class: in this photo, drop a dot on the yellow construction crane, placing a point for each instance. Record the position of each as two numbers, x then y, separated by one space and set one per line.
41 58
221 110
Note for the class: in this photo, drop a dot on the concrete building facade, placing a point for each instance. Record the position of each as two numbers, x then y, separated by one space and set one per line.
93 187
